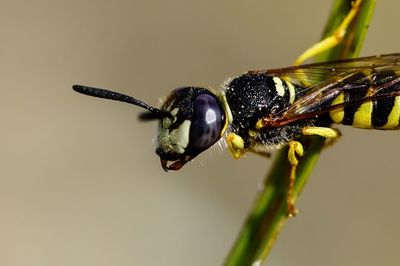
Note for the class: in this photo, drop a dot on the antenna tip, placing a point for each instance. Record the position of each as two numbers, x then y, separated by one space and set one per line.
77 88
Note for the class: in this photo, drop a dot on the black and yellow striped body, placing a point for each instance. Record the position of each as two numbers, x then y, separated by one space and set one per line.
379 113
254 96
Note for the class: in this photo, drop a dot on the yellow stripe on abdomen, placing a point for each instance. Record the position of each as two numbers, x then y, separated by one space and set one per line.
394 116
363 116
337 115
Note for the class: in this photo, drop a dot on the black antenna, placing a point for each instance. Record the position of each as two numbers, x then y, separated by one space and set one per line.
154 113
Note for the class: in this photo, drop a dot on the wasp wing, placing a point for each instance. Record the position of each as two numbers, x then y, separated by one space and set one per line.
312 74
365 79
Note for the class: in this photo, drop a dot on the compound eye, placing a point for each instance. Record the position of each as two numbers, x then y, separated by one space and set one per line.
207 123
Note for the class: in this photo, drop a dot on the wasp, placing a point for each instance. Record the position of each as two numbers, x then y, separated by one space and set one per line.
264 110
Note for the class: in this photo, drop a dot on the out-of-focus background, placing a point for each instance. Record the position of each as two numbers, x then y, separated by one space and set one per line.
80 183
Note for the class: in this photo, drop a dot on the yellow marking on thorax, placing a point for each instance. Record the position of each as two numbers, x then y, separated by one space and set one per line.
259 124
363 116
252 133
292 92
394 116
337 115
228 113
279 86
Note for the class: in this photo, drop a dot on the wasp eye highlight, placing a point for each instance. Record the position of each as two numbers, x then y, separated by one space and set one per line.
207 122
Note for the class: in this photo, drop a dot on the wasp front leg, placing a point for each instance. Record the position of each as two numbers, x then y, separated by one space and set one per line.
332 40
235 145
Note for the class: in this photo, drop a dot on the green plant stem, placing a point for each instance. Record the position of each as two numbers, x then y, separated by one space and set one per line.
269 212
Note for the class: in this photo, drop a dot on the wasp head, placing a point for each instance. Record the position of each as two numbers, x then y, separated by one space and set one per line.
195 122
191 120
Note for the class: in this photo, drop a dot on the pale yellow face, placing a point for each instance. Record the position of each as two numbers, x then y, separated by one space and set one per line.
173 139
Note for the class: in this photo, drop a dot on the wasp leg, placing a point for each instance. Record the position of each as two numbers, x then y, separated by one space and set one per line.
235 145
333 39
325 132
295 148
331 134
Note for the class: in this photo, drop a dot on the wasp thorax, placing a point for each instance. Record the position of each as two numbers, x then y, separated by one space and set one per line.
196 122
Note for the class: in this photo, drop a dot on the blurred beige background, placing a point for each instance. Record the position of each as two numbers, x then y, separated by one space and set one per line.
80 183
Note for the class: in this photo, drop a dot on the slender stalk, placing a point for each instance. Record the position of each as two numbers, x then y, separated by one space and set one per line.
269 212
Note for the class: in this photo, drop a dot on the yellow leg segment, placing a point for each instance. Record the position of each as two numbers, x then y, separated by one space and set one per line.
235 145
295 148
325 132
333 39
331 134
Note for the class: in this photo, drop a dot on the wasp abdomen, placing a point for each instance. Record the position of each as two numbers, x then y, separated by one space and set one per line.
379 113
